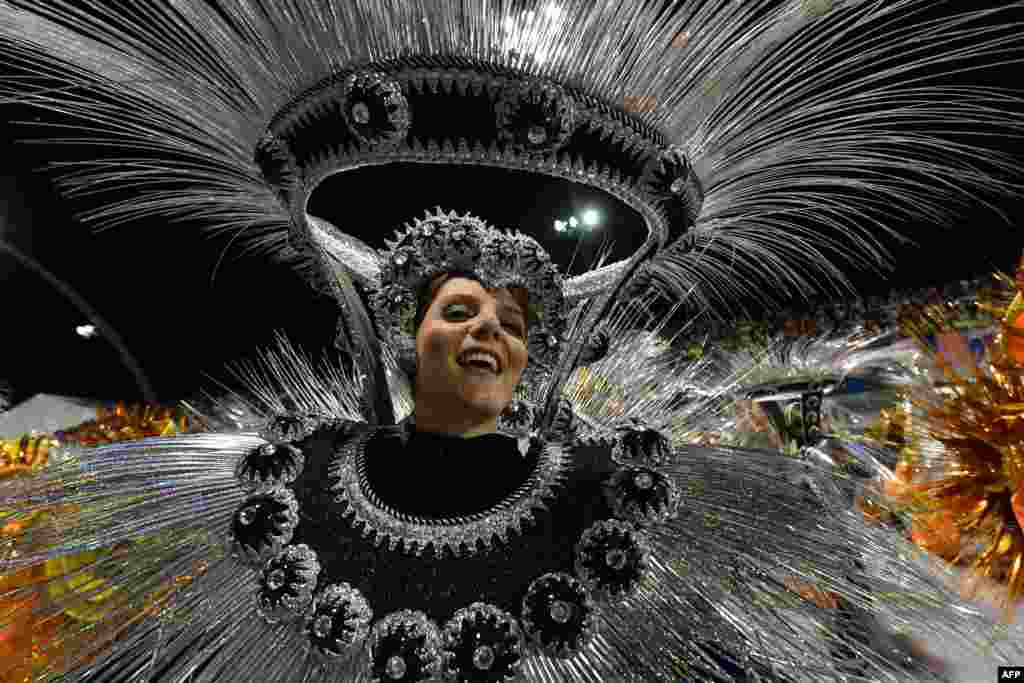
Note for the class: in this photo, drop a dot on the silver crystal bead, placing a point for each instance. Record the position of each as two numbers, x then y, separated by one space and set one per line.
322 626
247 516
458 234
615 558
360 113
552 341
395 667
276 579
428 230
537 135
267 449
483 657
560 611
678 186
401 259
644 480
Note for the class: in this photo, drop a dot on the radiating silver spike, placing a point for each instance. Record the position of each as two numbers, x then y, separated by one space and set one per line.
433 81
447 80
494 85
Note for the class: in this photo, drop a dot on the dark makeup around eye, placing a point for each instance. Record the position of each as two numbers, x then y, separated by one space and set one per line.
509 312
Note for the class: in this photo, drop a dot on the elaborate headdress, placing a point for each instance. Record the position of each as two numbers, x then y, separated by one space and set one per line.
700 116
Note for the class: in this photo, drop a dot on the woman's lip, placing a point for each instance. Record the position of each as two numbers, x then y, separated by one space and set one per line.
472 369
494 356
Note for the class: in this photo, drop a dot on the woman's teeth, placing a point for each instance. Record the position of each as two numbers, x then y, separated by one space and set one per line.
479 360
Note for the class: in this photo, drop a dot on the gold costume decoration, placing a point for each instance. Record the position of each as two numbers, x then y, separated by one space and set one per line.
962 444
27 642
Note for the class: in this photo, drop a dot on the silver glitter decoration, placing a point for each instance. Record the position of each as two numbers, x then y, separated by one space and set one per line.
492 639
616 559
561 611
537 135
276 579
245 516
287 584
396 667
461 535
483 657
644 481
413 625
270 466
612 543
322 626
341 611
289 427
360 112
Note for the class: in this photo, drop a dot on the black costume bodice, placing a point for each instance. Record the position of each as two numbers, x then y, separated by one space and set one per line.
442 482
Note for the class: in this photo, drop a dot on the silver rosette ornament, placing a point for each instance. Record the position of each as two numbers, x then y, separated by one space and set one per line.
263 525
482 644
558 615
535 116
638 443
405 646
287 583
564 428
611 557
517 419
642 495
375 110
289 427
338 621
270 465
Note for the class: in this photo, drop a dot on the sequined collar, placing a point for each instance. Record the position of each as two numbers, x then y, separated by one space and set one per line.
461 535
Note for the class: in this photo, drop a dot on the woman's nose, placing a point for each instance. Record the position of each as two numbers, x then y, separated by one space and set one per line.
486 324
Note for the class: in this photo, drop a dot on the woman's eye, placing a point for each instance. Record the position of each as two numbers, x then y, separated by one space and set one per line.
458 312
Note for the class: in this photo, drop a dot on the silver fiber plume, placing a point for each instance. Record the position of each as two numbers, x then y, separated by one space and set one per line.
810 124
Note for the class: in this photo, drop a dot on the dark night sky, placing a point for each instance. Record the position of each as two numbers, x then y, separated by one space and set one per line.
152 283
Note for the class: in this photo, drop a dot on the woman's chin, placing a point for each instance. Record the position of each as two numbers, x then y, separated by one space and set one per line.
487 404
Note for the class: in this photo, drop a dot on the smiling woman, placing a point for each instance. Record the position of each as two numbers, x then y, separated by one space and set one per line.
471 353
777 139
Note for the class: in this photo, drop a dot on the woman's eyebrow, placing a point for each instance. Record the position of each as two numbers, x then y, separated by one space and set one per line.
459 297
512 307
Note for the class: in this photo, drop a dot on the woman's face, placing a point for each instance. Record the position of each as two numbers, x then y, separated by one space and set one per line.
471 351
